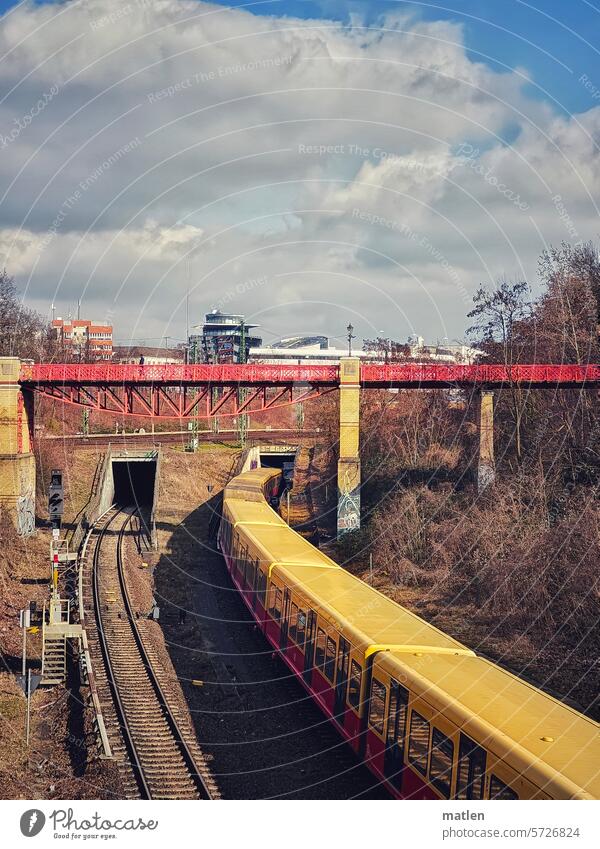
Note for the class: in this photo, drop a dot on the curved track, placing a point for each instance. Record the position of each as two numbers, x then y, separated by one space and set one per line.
157 750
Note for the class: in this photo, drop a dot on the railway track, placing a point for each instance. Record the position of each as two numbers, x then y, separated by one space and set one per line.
151 738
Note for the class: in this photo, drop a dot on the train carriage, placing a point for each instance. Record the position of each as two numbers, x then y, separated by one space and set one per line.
428 716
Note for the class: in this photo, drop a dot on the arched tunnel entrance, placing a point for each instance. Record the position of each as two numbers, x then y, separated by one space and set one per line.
284 460
134 481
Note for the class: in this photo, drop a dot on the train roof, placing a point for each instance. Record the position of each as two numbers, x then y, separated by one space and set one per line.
247 512
370 616
274 541
253 479
538 734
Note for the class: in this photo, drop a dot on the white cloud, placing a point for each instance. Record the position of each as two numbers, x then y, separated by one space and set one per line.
185 134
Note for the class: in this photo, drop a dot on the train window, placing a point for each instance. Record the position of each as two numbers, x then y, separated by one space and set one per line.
397 716
262 585
320 649
293 622
377 705
329 667
354 685
275 602
301 630
500 790
471 769
440 768
250 573
418 747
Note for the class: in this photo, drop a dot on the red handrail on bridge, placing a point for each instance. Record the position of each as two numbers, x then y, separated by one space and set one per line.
430 375
403 375
108 374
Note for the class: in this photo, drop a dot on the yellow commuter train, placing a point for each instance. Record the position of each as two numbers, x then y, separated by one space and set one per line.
427 715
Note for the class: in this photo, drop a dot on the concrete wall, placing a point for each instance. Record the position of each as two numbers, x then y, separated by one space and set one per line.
101 499
250 460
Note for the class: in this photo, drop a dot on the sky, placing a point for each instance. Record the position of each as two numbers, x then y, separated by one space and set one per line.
307 164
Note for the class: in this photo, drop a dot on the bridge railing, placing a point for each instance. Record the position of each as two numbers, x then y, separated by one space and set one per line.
371 374
413 374
173 374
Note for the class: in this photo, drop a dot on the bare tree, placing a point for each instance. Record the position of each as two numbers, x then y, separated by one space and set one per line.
23 332
499 315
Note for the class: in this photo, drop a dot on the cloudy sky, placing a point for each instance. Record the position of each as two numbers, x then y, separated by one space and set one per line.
304 163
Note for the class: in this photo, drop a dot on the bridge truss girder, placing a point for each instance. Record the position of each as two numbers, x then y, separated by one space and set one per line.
179 402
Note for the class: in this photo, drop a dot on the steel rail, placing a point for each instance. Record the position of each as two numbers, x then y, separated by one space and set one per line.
125 729
172 722
129 736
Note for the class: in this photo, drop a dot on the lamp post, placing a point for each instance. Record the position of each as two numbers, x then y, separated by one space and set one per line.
350 338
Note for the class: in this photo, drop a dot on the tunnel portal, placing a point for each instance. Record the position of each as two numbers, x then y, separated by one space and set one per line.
134 481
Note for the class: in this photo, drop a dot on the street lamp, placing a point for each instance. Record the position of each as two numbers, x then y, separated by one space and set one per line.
350 338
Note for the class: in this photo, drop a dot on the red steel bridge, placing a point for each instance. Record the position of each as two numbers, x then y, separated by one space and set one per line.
202 391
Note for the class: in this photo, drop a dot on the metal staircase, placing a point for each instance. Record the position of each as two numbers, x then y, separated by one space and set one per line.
55 633
54 659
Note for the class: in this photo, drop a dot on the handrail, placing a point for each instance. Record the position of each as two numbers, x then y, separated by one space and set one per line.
104 741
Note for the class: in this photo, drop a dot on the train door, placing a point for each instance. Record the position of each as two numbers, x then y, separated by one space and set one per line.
285 619
309 646
341 678
470 779
254 586
396 734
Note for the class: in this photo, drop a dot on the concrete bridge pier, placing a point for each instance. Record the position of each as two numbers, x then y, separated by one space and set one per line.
486 471
348 512
17 461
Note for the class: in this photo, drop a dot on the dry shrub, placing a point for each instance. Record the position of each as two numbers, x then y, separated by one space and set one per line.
499 553
402 532
438 456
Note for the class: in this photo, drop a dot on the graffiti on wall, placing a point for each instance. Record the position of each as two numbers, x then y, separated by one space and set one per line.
26 515
348 512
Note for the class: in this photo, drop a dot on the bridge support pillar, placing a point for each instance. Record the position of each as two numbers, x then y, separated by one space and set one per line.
348 473
486 472
17 462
